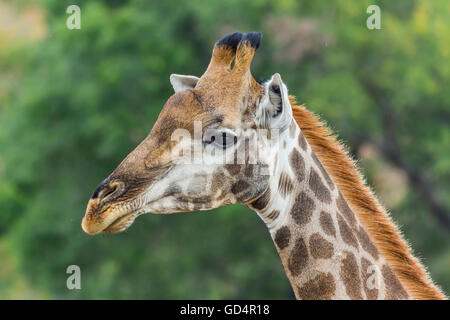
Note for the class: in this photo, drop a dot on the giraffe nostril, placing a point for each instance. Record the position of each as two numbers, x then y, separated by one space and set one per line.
108 190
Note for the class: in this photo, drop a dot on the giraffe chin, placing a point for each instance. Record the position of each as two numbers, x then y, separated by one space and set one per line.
120 224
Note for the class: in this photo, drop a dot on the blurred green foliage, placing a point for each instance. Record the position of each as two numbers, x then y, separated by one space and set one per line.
78 101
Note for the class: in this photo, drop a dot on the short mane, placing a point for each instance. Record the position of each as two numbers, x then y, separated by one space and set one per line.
382 230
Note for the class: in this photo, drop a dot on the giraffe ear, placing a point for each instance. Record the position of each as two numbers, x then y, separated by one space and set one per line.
181 82
275 111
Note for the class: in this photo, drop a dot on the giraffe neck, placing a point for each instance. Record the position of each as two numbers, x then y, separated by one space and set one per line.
325 250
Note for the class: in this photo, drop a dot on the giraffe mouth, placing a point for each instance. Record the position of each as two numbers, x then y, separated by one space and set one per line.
120 224
117 220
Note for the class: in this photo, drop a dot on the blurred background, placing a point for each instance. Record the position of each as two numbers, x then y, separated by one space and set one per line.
74 103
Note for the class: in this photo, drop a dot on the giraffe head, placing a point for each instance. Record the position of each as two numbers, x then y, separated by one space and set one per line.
211 145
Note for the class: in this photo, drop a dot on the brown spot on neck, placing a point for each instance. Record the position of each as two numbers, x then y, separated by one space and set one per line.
345 209
346 232
297 164
366 243
282 237
320 190
302 209
322 287
298 258
327 224
319 247
350 276
323 171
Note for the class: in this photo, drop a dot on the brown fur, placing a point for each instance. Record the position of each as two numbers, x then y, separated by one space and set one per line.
371 214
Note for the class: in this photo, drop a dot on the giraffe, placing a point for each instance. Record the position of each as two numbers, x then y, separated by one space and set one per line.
258 148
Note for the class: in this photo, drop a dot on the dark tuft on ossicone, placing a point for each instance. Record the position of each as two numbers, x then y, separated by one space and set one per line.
254 38
231 40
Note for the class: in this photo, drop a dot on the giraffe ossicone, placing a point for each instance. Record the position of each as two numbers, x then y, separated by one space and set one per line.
224 138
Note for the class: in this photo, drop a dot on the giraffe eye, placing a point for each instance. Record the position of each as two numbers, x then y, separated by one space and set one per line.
220 138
